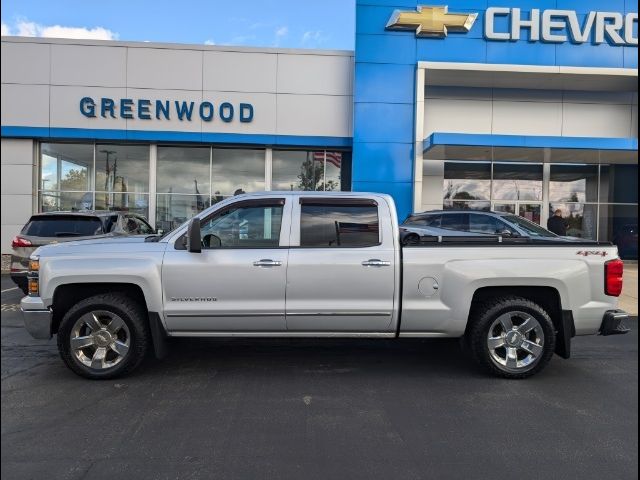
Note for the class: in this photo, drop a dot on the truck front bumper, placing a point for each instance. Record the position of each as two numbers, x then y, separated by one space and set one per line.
613 323
37 318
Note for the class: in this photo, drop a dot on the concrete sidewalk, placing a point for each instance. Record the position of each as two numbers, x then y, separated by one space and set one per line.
629 297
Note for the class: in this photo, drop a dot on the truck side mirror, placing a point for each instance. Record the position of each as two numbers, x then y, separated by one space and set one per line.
194 242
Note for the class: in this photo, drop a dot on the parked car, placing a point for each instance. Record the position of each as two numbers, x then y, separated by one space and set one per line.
56 227
460 223
317 264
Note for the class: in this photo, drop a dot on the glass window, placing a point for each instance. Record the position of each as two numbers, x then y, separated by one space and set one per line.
619 224
333 168
125 202
516 181
487 224
581 219
467 181
462 205
573 183
305 170
249 226
339 225
456 221
183 170
66 166
531 211
65 201
122 168
619 183
236 171
173 210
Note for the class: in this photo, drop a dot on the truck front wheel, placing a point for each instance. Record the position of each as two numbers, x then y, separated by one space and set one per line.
104 336
511 337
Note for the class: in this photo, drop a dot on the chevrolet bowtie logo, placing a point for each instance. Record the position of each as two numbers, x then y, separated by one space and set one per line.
431 21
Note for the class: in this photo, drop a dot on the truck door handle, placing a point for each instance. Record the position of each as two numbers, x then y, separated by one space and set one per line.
267 262
374 262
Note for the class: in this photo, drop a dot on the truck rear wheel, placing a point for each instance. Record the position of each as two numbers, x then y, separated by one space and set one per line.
511 337
104 336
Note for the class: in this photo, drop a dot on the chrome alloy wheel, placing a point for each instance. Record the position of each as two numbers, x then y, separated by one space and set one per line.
100 339
515 341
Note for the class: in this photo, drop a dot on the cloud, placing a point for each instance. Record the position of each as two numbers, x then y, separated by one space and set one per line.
313 38
209 42
279 34
24 28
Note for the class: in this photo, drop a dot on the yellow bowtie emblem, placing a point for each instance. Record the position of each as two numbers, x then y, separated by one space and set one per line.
431 21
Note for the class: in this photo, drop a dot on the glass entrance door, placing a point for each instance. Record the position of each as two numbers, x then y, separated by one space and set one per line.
528 210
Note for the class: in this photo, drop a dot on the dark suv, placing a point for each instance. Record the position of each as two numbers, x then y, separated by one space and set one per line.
54 227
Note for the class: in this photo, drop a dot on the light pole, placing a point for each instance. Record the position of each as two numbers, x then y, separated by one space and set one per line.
106 179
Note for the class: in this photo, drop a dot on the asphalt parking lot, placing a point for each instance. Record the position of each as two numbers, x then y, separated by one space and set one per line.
318 409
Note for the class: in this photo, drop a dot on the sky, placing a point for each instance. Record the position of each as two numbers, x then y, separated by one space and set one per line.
325 24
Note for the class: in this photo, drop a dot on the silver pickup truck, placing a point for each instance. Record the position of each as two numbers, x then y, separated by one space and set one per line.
314 264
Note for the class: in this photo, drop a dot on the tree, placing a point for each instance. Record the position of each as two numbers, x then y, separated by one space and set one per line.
74 180
311 177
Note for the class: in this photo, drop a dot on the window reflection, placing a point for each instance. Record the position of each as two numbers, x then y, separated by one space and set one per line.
126 202
515 181
462 205
174 209
467 181
183 170
122 168
573 183
619 183
581 219
66 166
236 171
65 201
307 170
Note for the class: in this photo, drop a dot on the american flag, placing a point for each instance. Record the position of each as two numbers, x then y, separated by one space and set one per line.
334 158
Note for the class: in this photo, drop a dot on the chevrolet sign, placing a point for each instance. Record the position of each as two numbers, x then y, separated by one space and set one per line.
559 26
552 26
431 21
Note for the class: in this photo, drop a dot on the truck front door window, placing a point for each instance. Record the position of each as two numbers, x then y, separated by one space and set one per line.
244 227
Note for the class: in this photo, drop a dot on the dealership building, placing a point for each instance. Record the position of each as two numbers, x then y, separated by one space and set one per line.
469 104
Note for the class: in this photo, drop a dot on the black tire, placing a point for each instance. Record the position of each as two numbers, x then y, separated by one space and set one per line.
134 316
483 317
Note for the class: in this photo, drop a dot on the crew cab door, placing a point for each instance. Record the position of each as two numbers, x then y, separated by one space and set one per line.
237 283
342 266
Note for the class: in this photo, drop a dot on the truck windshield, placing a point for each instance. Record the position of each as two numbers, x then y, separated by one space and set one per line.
531 228
63 226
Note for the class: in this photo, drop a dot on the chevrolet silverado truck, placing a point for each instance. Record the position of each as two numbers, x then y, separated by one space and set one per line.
316 264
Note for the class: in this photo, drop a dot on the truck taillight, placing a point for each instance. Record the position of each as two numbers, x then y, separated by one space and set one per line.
18 242
613 270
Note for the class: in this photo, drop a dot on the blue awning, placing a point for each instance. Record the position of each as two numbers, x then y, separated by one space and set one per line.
529 141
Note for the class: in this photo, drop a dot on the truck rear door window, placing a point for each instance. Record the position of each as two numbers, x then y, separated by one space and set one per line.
339 225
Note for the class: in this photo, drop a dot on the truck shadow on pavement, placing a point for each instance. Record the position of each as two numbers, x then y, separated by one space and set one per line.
316 356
